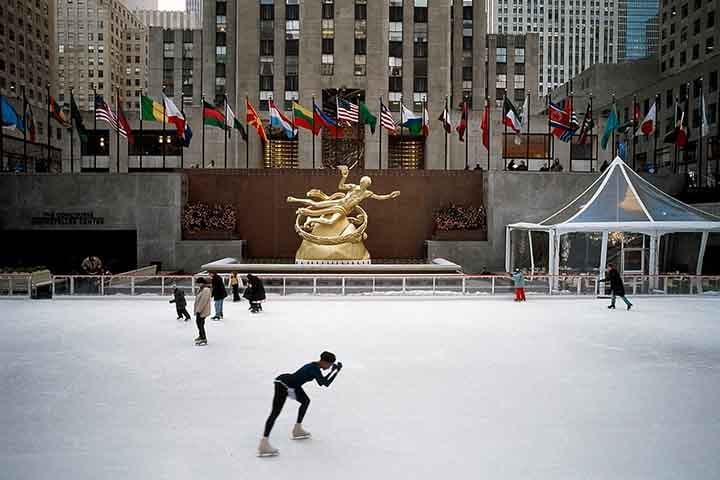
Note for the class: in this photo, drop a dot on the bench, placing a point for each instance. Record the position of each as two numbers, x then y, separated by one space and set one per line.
41 284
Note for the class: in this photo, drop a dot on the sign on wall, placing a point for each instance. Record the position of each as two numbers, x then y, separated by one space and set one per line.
67 218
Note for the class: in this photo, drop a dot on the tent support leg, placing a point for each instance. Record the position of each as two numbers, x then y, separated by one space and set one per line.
551 259
532 255
508 249
701 255
556 256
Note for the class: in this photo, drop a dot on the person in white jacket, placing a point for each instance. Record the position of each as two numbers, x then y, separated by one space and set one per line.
202 309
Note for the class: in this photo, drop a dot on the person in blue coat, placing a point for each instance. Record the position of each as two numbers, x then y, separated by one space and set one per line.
519 281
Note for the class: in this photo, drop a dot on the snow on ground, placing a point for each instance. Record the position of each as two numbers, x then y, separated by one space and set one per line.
432 388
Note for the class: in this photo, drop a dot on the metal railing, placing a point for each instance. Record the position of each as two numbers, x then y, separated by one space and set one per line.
367 285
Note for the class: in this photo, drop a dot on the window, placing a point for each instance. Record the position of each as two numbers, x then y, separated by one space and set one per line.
360 11
519 55
696 27
328 45
710 19
328 10
267 47
696 52
266 82
267 12
501 54
360 46
292 12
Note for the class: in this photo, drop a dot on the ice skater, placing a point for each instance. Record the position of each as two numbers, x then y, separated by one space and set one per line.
202 310
235 285
616 286
290 385
180 303
218 294
255 293
519 281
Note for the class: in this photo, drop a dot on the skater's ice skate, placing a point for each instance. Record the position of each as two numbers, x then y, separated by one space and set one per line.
201 343
265 449
299 433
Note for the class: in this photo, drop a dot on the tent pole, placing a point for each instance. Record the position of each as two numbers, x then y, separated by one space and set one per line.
508 249
551 260
701 255
532 256
603 254
652 267
556 240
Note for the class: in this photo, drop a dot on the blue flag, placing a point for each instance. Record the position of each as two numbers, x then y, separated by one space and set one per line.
10 117
188 135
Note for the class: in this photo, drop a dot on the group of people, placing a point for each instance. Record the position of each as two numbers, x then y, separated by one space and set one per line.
216 291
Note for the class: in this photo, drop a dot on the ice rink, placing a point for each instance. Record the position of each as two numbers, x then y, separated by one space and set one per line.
431 389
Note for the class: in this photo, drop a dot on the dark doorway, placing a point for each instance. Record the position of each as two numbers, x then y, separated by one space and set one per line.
62 251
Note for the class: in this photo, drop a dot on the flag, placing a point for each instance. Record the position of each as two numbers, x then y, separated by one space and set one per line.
253 119
411 121
647 127
278 120
324 120
625 127
104 113
485 126
77 119
188 135
367 118
636 112
587 126
151 110
240 128
386 119
303 118
29 122
57 113
563 120
212 116
174 116
524 113
678 135
445 119
347 111
124 125
610 126
10 117
704 128
462 126
229 118
426 122
511 116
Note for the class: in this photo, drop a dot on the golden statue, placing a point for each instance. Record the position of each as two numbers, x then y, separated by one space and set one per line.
333 227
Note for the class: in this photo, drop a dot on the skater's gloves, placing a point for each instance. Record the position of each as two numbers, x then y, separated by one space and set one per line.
338 366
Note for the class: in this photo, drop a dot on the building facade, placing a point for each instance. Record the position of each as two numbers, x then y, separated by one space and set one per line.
27 67
168 19
142 4
101 48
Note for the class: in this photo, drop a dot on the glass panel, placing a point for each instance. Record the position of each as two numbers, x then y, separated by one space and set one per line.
616 203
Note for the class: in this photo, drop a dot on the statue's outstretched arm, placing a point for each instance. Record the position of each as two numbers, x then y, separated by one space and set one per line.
344 172
394 194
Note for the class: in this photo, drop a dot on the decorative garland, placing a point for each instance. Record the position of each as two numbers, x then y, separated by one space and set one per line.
460 217
201 217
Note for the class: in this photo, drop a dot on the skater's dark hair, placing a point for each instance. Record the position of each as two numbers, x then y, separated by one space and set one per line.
327 357
201 281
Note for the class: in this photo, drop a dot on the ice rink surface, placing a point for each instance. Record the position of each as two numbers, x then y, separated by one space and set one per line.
431 389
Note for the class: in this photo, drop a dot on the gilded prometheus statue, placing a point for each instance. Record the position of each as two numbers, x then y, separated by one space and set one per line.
333 227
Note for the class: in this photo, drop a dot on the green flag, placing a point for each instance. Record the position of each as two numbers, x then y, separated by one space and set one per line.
239 127
367 118
610 126
77 119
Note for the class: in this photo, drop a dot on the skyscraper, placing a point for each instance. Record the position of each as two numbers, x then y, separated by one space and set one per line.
638 29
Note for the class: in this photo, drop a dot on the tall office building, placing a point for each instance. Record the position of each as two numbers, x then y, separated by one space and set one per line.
102 47
194 6
639 32
172 19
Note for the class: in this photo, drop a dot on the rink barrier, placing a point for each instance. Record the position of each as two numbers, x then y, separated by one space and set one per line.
368 285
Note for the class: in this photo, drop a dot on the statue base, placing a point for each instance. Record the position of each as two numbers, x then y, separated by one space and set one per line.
342 253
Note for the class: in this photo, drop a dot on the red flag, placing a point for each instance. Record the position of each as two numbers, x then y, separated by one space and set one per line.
124 125
485 126
636 113
253 119
462 126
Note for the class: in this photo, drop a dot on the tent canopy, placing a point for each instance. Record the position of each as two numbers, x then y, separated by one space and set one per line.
622 201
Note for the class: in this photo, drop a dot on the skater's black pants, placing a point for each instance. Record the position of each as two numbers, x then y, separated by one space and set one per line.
281 394
182 312
200 321
236 293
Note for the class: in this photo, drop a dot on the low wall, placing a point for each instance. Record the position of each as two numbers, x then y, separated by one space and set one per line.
191 255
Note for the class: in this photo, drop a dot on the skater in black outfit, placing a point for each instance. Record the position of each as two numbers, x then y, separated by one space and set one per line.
255 293
180 303
290 385
616 286
218 294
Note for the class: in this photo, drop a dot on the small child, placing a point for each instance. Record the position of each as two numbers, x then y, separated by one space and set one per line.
180 303
519 280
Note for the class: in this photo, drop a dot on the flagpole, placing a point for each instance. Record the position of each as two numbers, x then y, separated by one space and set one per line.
48 126
162 144
225 127
202 158
446 133
337 124
381 134
700 139
425 138
550 136
117 131
467 133
614 147
182 144
72 131
505 132
25 129
402 120
247 130
527 140
593 151
489 123
313 131
687 132
141 143
634 137
655 133
95 129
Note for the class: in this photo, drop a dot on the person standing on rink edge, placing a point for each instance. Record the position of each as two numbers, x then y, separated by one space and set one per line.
180 303
616 286
290 385
519 281
254 293
218 294
202 310
235 285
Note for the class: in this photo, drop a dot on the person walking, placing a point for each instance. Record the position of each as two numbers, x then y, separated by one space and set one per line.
519 281
254 293
180 303
235 285
290 385
218 294
202 310
617 288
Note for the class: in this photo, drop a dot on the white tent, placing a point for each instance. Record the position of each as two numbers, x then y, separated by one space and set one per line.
619 201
